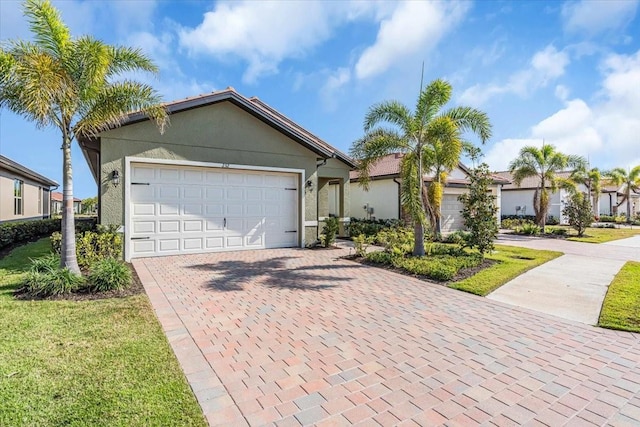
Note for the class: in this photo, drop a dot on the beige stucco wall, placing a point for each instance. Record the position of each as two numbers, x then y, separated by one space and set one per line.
382 197
32 207
220 133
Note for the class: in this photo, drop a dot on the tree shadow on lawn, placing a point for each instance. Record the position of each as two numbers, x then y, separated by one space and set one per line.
272 273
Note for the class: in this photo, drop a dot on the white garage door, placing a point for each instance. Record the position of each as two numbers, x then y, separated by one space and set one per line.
451 216
176 209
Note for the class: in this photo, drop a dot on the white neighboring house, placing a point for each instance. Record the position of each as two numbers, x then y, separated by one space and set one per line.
382 200
518 200
612 195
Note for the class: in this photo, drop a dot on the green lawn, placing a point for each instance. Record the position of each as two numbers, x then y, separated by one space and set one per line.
621 307
104 362
601 235
511 262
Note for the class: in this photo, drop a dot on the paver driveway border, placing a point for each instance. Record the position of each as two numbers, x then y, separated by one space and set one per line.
296 337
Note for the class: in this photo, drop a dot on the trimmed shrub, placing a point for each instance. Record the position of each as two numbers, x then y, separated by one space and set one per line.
329 232
16 232
397 240
528 229
51 283
370 227
93 246
380 257
361 244
457 237
109 274
559 231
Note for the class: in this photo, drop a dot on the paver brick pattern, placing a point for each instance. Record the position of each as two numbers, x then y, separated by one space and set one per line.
300 337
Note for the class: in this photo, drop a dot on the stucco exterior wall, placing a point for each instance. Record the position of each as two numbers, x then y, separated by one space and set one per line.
382 196
219 133
32 204
524 198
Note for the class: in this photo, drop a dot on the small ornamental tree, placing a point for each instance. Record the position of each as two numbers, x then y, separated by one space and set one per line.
578 210
479 211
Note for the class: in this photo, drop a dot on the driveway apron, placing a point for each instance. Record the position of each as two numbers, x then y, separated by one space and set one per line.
572 286
299 337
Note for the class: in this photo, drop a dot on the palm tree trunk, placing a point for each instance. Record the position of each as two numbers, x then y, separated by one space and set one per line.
418 226
68 257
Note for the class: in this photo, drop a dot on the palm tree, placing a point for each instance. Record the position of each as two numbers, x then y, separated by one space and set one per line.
71 84
631 181
544 164
430 139
592 179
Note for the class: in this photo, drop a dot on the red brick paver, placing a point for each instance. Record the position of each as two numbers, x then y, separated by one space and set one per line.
297 337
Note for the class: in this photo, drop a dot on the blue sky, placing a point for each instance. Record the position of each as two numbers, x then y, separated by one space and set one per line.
566 72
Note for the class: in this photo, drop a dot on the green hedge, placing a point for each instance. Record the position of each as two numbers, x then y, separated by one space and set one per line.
16 232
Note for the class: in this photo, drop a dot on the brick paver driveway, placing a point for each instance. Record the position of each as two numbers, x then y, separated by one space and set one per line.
297 337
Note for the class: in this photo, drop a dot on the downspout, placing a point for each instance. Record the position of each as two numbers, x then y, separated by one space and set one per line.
399 199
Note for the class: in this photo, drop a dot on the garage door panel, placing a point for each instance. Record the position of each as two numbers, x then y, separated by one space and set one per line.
192 244
165 209
169 226
190 210
169 245
144 209
193 209
191 226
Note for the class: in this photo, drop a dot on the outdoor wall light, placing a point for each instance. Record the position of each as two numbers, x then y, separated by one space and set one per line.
115 178
309 184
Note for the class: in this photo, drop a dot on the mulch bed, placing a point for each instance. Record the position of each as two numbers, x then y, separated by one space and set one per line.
465 273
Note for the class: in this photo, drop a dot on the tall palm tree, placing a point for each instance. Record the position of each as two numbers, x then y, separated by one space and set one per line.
428 137
71 84
544 164
631 181
592 179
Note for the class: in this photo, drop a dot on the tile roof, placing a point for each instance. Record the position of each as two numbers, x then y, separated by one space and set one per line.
527 183
389 166
57 197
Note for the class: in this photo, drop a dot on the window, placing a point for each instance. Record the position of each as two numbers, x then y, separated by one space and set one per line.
39 200
18 187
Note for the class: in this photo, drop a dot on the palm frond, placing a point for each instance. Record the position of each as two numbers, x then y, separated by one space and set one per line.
47 27
374 145
124 59
391 112
471 119
431 100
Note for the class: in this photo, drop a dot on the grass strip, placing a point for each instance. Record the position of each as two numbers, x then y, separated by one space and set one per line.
511 261
621 307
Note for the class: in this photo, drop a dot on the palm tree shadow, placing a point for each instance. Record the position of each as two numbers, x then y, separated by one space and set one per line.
272 273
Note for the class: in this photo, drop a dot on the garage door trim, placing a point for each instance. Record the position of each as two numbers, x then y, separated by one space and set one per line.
188 163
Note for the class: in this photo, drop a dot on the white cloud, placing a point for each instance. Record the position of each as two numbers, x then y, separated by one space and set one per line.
334 83
606 131
545 66
503 152
264 33
414 26
562 92
596 16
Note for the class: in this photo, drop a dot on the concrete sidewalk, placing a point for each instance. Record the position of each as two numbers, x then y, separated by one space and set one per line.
572 286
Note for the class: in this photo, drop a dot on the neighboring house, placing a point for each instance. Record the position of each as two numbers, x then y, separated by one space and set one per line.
382 200
56 204
229 173
612 195
24 194
518 200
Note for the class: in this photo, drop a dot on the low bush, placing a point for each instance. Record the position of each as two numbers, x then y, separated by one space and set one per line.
329 232
606 218
398 239
361 243
559 231
458 238
93 246
528 229
531 218
52 283
370 227
109 274
552 220
513 223
439 267
45 264
608 225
